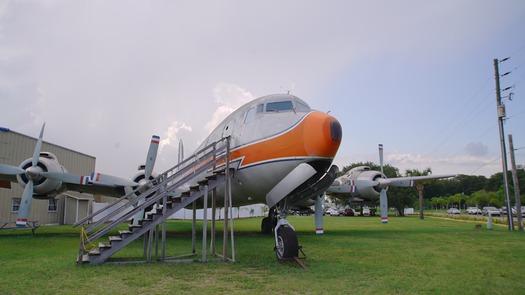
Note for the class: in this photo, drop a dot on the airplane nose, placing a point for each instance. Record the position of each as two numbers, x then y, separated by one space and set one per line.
322 135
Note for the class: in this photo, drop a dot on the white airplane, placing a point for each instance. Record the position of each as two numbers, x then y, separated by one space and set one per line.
364 184
43 177
281 150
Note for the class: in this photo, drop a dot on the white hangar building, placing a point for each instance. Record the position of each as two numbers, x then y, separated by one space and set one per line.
65 208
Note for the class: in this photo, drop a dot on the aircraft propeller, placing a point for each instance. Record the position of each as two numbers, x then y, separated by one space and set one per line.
383 201
148 170
32 173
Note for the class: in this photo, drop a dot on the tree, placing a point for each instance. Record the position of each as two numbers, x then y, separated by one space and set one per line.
400 198
420 187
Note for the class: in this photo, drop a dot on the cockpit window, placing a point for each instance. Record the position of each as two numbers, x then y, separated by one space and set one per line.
279 106
301 107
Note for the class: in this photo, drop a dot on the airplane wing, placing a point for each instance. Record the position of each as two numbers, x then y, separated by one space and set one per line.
96 183
6 177
411 180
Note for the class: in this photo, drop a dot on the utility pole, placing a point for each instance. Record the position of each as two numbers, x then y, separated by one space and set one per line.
516 184
501 116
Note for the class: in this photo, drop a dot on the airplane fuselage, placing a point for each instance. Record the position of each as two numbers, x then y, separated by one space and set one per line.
270 137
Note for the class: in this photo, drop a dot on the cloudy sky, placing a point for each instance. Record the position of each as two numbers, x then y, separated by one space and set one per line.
417 76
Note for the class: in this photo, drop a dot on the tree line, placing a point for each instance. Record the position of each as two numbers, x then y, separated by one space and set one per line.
460 191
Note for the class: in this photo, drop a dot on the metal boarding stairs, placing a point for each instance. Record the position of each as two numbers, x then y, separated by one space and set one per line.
208 167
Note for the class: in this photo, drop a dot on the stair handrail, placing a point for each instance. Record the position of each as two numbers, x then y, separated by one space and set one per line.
186 170
144 205
181 167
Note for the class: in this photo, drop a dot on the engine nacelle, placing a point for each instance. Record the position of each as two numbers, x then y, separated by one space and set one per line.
365 173
140 178
44 188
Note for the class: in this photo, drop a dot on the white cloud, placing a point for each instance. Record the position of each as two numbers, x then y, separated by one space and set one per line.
229 97
171 135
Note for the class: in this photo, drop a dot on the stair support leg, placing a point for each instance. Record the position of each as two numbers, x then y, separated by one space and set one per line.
164 218
228 181
213 219
204 222
194 229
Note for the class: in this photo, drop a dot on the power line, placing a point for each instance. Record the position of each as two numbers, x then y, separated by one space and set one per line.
454 118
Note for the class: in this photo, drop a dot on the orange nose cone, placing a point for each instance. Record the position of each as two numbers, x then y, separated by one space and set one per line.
322 135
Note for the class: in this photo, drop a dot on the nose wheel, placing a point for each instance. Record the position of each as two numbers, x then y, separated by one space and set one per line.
286 245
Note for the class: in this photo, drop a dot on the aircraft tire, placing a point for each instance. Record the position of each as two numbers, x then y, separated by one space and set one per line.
287 245
266 226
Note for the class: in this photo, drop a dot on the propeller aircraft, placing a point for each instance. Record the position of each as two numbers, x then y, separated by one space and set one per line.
43 177
364 184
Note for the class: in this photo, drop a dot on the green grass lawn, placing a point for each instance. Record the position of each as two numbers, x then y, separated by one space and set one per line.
355 255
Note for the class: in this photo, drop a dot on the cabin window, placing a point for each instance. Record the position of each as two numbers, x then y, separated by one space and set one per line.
15 204
279 106
52 205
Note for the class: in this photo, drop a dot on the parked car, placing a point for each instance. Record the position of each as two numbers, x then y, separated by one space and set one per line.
522 211
365 212
334 212
305 211
453 211
473 210
492 210
349 212
503 211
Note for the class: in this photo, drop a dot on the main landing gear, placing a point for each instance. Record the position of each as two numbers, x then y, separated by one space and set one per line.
270 222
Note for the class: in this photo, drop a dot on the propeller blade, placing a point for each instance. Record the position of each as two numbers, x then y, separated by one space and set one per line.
25 204
383 203
38 147
152 156
10 170
381 157
318 212
181 152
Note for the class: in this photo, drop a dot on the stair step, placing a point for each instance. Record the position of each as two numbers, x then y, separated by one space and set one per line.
124 232
85 258
212 177
104 245
114 238
195 188
203 182
94 252
132 226
220 170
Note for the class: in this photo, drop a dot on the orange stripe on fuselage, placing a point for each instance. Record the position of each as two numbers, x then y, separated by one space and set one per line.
309 138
